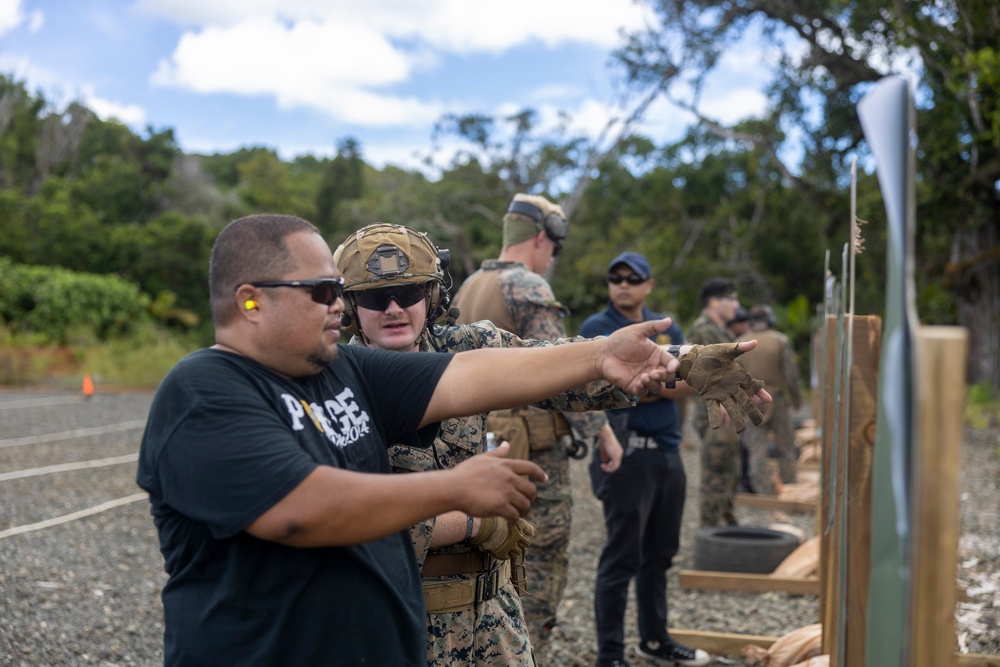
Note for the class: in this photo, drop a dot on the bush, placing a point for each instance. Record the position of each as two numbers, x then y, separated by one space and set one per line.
58 304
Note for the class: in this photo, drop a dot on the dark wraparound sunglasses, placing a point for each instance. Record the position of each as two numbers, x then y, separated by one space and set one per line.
631 279
322 290
378 299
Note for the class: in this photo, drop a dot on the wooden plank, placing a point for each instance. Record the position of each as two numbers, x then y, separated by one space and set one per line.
774 503
866 346
940 380
741 581
976 660
720 643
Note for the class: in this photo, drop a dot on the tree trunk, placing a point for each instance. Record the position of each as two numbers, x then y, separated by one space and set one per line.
976 278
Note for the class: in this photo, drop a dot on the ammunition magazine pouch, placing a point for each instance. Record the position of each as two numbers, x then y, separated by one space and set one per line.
483 576
527 429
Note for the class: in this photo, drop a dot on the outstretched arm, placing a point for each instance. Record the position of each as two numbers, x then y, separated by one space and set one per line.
491 379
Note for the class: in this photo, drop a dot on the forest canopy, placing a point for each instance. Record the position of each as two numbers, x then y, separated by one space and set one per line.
87 195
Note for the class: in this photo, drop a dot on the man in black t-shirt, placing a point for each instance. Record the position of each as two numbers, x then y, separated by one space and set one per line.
280 544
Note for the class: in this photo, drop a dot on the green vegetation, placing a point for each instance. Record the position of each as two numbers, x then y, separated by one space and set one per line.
982 406
105 234
137 359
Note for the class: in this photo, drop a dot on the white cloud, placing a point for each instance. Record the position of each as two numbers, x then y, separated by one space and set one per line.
335 57
456 26
11 15
130 114
734 106
59 93
308 64
404 157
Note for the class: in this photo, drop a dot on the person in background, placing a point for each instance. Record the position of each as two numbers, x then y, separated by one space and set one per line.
738 326
720 448
740 323
773 361
643 501
396 290
511 293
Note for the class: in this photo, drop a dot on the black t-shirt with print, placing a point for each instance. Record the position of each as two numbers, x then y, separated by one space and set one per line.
225 441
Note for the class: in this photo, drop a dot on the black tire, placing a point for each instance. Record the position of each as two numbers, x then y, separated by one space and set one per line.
742 549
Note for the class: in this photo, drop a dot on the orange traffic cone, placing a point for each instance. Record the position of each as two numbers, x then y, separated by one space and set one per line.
88 386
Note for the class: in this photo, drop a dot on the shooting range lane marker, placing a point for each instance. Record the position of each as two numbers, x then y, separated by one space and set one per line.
68 467
67 518
39 402
71 435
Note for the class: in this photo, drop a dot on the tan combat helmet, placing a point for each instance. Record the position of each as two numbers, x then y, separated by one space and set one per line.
382 255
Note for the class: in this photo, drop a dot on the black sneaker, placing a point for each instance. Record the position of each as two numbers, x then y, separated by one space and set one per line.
670 652
611 663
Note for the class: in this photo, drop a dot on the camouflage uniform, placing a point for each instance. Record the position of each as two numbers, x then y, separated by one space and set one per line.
529 309
492 632
720 448
772 361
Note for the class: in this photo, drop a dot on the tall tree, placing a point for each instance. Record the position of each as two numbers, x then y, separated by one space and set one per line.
829 53
20 122
343 179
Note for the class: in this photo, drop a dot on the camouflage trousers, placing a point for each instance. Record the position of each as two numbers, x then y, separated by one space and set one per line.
490 634
720 474
546 558
756 440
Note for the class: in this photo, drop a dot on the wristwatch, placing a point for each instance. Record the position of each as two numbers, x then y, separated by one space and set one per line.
676 351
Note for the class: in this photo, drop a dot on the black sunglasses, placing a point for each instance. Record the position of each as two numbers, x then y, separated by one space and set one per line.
378 299
631 279
322 290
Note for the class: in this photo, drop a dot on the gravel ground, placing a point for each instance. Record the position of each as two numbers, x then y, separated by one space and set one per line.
86 592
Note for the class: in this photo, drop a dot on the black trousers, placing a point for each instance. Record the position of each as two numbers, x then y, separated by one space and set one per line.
643 507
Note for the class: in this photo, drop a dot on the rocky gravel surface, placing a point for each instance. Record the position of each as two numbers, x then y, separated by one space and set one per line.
85 591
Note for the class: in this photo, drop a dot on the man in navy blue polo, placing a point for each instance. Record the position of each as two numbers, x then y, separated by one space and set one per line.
644 499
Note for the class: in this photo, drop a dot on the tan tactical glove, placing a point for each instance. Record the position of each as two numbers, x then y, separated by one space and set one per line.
503 539
713 371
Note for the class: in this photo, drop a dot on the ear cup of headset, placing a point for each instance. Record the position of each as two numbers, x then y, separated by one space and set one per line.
348 319
438 305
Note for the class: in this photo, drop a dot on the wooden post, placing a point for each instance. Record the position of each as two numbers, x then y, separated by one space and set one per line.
826 526
864 410
940 376
851 573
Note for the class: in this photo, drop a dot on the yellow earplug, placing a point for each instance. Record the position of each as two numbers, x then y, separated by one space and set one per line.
250 304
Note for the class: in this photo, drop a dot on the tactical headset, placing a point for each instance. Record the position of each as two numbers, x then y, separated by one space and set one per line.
554 225
382 255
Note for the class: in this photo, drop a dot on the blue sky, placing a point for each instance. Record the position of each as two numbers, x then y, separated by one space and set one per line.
298 75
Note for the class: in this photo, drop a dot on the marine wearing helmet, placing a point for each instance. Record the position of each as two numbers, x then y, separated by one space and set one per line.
384 262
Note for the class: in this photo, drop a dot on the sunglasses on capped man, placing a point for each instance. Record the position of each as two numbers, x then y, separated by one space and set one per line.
631 279
379 298
321 290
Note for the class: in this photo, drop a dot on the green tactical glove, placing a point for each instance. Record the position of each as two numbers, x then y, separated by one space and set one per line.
713 371
503 539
